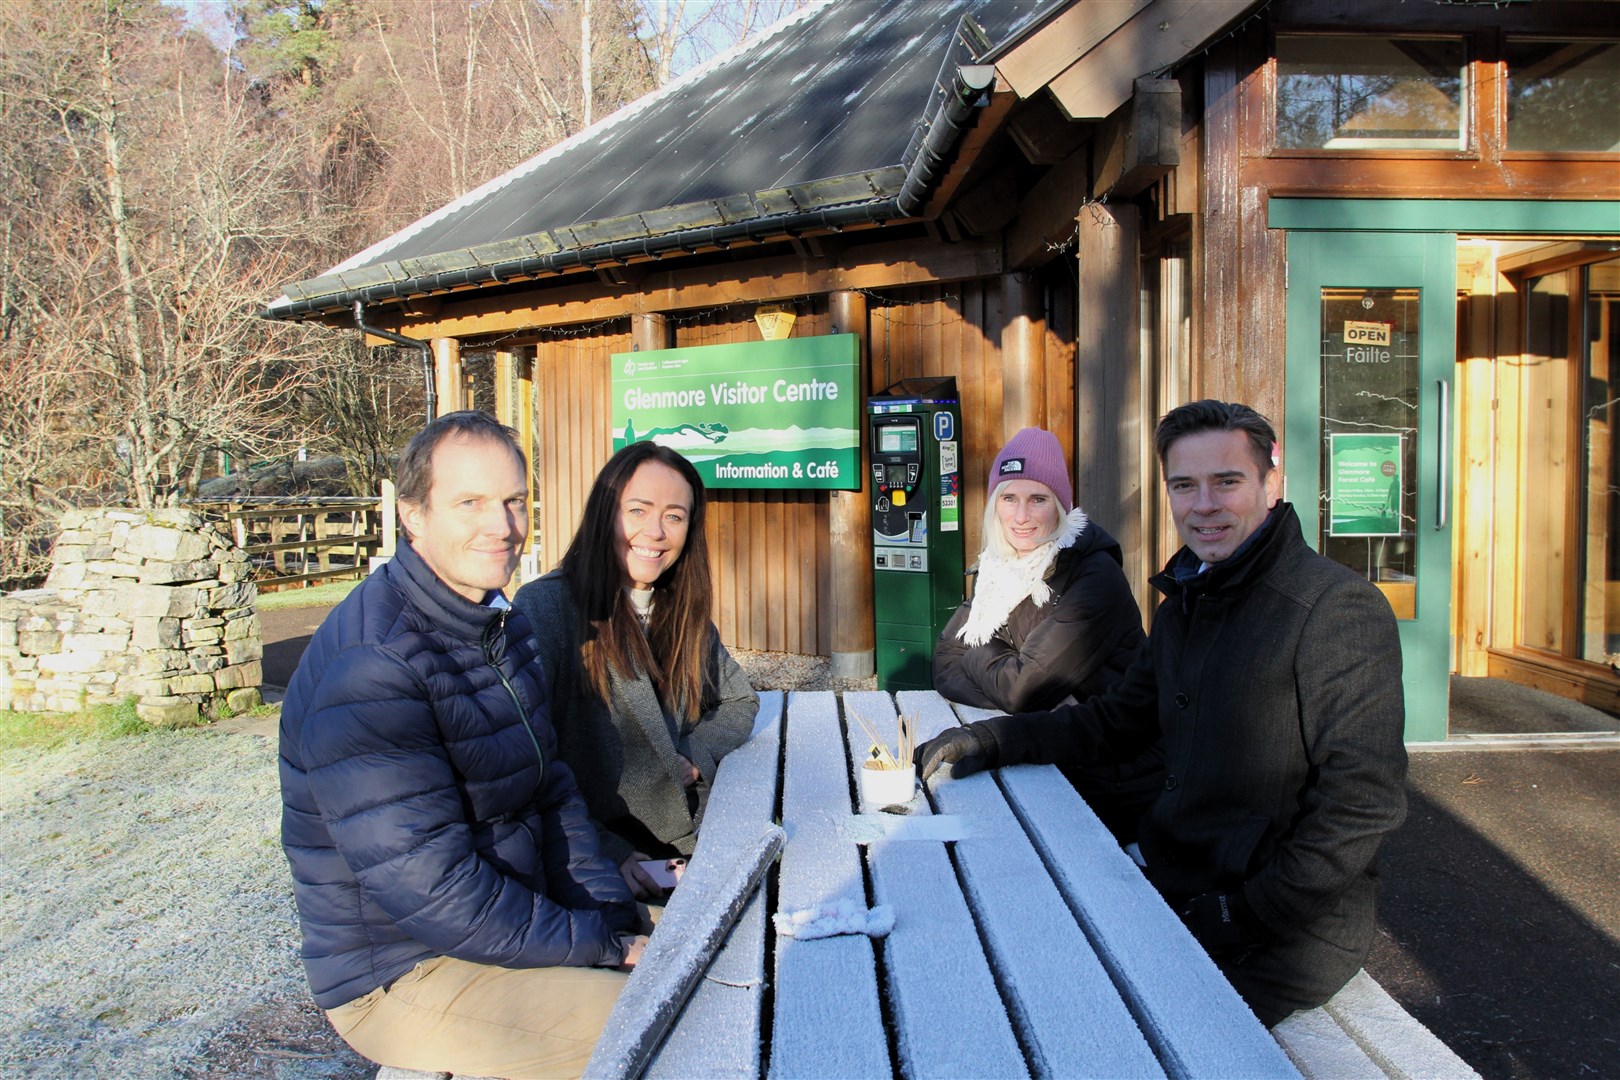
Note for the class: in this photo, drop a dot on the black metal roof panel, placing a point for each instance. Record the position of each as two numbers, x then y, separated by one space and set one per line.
817 112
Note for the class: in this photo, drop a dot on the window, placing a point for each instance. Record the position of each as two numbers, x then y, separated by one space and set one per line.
1563 95
1343 92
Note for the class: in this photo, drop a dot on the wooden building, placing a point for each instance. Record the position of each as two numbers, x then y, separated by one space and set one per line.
1392 227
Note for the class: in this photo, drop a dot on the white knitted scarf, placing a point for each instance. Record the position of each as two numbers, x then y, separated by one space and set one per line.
1005 581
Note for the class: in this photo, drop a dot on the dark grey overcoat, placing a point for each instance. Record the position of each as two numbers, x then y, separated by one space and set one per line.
1274 681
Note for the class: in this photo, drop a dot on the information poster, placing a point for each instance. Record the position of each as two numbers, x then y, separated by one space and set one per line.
758 414
1365 489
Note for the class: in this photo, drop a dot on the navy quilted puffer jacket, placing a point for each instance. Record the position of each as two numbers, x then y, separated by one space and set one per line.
424 810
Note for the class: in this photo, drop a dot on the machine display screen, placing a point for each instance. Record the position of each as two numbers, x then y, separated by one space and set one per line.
895 476
897 439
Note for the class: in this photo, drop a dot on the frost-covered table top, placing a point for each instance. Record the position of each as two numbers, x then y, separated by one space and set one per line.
993 929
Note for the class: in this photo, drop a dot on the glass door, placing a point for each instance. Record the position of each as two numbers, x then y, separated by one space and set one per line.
1569 589
1371 329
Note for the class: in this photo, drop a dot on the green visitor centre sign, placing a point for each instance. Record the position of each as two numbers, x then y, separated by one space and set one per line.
758 414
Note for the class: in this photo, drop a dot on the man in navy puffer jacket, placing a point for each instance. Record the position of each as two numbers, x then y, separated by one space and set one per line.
456 913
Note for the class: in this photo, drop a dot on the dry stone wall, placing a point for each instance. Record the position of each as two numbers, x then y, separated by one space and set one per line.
155 605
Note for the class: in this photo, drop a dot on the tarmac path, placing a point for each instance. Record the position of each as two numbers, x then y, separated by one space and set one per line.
1500 909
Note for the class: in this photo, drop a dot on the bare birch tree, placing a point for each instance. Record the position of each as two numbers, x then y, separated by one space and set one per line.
155 230
162 183
680 36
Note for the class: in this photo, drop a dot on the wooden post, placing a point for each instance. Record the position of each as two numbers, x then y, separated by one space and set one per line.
447 381
849 522
322 554
390 519
649 331
1023 354
1219 241
523 391
504 406
1477 409
1109 416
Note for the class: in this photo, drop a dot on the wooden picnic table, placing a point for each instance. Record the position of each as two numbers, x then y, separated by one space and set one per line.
1024 942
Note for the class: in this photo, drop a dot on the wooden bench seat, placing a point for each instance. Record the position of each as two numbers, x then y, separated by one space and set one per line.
1363 1032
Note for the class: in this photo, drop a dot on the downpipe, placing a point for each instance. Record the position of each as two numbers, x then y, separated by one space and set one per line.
431 396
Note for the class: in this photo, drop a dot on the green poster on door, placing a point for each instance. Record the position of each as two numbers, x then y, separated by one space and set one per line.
1365 485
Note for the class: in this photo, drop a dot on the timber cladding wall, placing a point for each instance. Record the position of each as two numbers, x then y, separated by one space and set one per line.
770 550
573 430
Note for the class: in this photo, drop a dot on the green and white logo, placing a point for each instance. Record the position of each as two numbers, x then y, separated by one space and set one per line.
759 414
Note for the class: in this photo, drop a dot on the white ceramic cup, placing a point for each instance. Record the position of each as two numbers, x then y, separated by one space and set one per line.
886 787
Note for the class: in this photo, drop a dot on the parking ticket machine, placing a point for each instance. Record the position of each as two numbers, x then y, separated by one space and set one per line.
917 557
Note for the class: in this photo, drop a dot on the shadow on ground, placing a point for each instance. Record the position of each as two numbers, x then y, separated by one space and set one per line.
1500 910
284 1040
281 659
1481 706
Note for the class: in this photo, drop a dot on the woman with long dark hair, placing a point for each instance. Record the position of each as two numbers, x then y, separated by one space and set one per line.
645 699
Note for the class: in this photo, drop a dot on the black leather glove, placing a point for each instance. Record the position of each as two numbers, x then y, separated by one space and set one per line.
1223 922
968 749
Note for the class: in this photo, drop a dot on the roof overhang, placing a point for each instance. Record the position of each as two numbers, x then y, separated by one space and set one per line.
874 197
1088 54
829 205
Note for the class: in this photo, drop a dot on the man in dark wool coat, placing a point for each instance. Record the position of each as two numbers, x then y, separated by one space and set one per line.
1273 676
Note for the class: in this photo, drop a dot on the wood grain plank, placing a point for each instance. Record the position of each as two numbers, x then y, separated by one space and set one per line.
705 1039
928 998
1070 1018
827 1021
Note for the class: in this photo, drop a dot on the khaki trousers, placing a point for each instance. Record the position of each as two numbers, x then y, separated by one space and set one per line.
447 1015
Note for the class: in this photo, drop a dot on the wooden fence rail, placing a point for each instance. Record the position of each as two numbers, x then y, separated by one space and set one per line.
297 540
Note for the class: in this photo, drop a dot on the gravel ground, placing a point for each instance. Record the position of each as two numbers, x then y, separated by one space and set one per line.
146 913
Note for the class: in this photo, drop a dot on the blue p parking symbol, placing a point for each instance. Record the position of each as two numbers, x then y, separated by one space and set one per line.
944 426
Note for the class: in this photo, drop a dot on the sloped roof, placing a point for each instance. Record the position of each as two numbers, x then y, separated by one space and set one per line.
823 118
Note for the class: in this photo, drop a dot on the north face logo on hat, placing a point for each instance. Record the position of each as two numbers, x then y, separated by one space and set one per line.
1012 465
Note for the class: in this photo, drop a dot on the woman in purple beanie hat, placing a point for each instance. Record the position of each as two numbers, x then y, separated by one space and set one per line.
1052 617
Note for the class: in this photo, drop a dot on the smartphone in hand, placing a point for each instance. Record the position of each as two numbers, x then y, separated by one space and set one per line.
666 872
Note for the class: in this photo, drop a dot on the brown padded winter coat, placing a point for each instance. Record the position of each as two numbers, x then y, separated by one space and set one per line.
1077 643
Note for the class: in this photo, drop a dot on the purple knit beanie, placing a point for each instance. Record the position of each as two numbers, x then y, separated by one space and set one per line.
1034 454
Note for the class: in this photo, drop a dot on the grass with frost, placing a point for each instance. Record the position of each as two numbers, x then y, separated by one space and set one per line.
315 596
44 731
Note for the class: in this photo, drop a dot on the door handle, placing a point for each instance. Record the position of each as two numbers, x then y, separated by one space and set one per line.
1444 486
